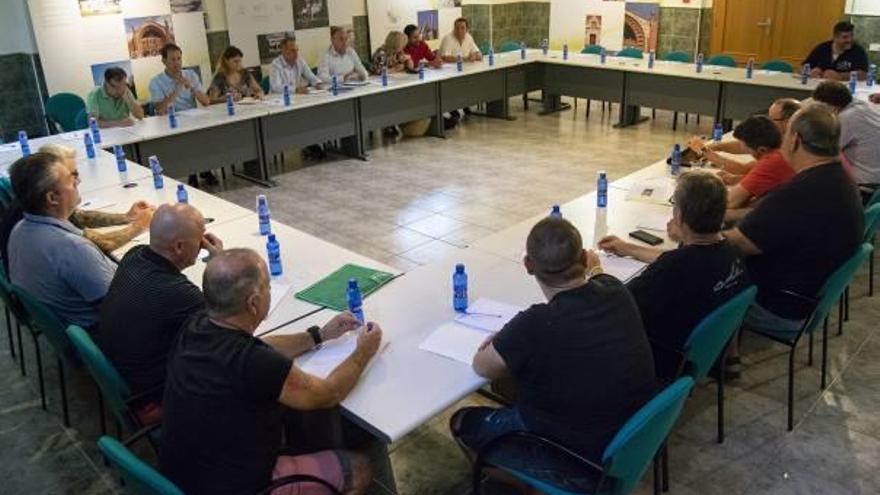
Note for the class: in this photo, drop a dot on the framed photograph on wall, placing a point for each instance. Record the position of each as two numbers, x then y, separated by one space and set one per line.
180 6
147 35
308 14
99 7
429 24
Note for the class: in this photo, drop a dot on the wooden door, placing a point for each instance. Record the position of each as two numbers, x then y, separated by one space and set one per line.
802 24
740 28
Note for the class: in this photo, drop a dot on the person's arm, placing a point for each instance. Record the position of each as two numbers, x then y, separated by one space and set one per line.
214 94
733 216
737 196
359 69
324 68
277 79
618 247
300 343
196 88
254 86
727 164
743 244
446 50
160 100
111 241
88 271
488 363
133 106
96 219
307 74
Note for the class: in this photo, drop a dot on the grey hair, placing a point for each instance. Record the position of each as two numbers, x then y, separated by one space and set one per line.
701 200
819 130
59 151
230 278
32 178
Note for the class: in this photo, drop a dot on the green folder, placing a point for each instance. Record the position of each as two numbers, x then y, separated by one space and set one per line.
330 291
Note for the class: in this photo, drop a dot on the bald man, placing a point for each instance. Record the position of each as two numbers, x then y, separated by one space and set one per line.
149 299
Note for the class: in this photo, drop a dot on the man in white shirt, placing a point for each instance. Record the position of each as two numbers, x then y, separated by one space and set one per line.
341 60
459 42
289 69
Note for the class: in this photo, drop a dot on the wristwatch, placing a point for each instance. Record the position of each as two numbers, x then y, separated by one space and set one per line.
315 332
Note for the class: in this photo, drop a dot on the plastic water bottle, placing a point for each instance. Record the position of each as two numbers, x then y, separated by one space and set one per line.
230 104
545 46
651 58
556 212
872 75
522 50
90 146
459 63
263 215
156 168
565 51
384 76
120 158
853 81
602 190
23 143
603 56
675 161
334 86
182 196
491 57
717 132
273 250
459 289
421 70
699 63
96 132
750 68
805 74
355 301
172 117
286 96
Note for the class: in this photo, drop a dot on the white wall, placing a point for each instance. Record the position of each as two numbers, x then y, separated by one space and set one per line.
863 7
16 35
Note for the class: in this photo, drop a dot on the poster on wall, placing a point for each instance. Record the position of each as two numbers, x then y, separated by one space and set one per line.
181 6
593 30
99 69
99 7
147 35
641 23
308 14
269 45
429 24
447 4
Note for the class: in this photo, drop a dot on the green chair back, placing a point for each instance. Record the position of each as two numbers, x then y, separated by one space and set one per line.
42 319
872 220
676 57
834 286
485 47
722 60
708 340
778 66
592 49
630 53
7 195
264 84
113 387
82 120
509 46
62 109
633 448
140 478
875 199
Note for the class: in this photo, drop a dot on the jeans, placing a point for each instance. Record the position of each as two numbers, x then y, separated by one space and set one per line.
760 318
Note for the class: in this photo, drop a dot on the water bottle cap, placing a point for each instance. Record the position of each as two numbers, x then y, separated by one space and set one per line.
677 147
459 268
352 283
180 187
601 173
556 209
271 237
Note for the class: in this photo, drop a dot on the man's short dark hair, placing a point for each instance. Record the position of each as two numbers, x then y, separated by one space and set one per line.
833 93
410 29
232 52
230 277
789 106
758 131
843 27
286 40
114 74
701 199
168 48
464 20
33 177
818 129
554 246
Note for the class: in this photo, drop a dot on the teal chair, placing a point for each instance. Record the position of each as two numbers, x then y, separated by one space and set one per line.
61 112
592 50
630 53
12 306
778 66
508 46
6 193
265 85
681 57
722 60
829 294
625 459
485 47
82 120
875 200
142 479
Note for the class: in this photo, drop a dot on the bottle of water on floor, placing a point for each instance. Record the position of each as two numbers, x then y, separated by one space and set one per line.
717 132
172 117
675 161
230 104
355 301
263 215
90 146
602 190
853 81
96 132
555 212
182 195
805 74
156 168
120 158
23 143
273 251
459 289
286 95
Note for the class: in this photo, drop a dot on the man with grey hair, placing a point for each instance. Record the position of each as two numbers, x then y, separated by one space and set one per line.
150 298
803 230
341 60
291 70
48 256
221 430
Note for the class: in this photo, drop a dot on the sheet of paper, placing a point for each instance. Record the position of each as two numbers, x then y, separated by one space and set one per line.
650 221
455 341
619 267
657 190
487 315
95 203
322 361
279 289
193 112
356 83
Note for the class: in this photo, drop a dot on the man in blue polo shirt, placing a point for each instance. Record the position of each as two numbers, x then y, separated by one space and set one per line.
176 85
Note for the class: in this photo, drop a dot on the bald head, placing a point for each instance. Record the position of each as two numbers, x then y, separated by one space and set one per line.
236 284
176 233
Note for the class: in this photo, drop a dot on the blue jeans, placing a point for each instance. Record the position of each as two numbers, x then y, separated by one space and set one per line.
475 427
761 318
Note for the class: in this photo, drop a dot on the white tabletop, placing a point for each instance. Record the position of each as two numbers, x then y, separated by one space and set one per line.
197 119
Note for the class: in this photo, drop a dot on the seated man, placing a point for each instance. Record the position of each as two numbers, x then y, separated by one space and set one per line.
291 70
149 299
175 85
581 362
112 103
682 286
459 43
418 50
221 429
49 257
341 60
859 134
805 229
836 58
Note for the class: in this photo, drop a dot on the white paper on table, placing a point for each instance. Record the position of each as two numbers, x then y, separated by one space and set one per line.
193 112
657 190
279 288
619 267
95 204
455 341
356 83
322 361
649 221
487 315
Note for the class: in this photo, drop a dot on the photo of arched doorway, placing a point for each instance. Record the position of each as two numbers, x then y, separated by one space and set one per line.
147 35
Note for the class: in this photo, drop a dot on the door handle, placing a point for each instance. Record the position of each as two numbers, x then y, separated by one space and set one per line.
766 23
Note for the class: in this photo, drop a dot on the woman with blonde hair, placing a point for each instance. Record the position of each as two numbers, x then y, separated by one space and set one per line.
231 77
391 55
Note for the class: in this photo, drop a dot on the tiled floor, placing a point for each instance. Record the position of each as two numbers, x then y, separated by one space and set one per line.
418 200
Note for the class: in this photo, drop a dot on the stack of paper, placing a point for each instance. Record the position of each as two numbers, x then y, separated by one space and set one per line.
621 268
460 339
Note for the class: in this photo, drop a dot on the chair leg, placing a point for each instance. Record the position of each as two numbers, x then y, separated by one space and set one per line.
20 348
698 118
101 416
664 466
840 305
658 483
38 353
9 333
674 120
686 117
64 407
476 478
824 353
588 107
791 389
653 113
810 353
846 304
720 404
525 101
871 275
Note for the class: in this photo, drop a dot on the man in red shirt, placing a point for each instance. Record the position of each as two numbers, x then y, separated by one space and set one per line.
418 50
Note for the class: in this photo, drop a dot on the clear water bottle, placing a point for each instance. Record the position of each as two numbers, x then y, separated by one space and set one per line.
120 158
355 301
263 215
675 160
556 212
459 289
699 63
491 57
545 46
384 76
853 81
459 63
522 50
23 143
286 95
172 117
96 132
565 51
805 74
156 168
421 70
334 85
750 68
602 190
603 55
273 250
651 58
717 132
230 104
182 196
90 145
872 75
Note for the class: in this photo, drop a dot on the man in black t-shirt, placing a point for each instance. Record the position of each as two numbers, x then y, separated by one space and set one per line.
581 362
221 432
836 58
804 230
682 286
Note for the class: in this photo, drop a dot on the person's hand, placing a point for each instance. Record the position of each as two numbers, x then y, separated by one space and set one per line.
486 342
436 63
614 245
830 74
339 325
593 262
816 72
697 144
212 244
728 178
673 230
875 98
369 339
126 122
302 90
713 157
142 219
136 208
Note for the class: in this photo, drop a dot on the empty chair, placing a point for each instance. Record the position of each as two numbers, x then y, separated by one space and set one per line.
62 110
676 57
508 46
722 60
592 49
630 53
778 66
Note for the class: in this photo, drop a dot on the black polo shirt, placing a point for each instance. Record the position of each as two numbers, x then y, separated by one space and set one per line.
853 59
142 314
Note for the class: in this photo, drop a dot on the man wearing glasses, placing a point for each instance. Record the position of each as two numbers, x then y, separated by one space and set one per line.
112 103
